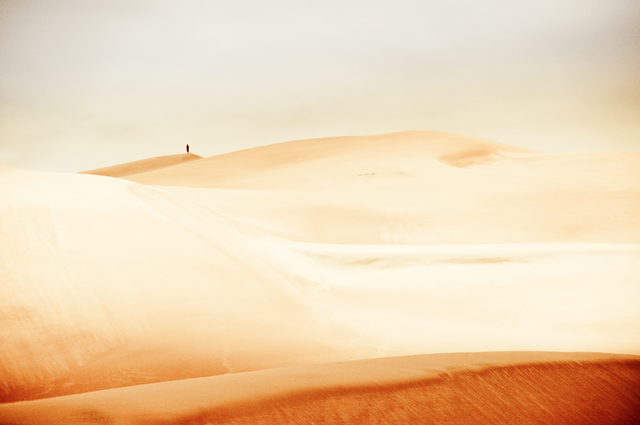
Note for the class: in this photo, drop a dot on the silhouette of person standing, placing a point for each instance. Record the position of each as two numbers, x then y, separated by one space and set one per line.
187 148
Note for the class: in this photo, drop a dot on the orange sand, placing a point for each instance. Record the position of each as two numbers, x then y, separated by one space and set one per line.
494 387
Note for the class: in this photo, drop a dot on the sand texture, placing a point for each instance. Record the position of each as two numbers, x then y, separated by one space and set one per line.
294 279
455 388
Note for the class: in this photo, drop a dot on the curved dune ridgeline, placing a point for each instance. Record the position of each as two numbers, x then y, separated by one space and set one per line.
419 188
457 388
316 281
143 165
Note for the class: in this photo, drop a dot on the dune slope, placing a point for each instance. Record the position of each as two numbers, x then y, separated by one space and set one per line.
107 283
143 165
456 388
335 161
420 187
316 251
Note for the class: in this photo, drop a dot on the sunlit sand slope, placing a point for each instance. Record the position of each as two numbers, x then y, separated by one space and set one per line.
142 166
458 388
446 244
106 283
335 161
420 187
410 299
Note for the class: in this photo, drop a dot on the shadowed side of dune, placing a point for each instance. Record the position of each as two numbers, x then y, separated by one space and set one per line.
458 388
143 165
597 393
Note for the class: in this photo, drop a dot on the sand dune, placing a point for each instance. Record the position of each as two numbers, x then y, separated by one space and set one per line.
310 252
457 388
335 161
421 187
143 166
113 284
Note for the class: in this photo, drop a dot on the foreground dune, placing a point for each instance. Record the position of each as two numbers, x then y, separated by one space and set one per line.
312 252
455 388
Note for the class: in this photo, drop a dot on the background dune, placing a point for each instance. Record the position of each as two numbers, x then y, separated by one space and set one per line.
143 165
419 187
314 251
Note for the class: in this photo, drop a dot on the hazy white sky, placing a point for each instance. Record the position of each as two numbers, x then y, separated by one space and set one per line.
88 83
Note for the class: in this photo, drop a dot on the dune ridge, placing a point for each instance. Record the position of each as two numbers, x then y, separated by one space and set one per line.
143 165
418 188
396 389
313 161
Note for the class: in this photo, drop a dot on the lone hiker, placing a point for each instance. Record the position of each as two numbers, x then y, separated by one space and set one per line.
187 148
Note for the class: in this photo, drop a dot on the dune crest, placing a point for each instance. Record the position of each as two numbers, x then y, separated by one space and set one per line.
417 188
328 162
527 387
143 165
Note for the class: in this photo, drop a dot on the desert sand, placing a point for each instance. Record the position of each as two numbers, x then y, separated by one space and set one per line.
143 165
410 277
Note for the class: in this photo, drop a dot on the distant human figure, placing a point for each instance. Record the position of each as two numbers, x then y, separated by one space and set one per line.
187 148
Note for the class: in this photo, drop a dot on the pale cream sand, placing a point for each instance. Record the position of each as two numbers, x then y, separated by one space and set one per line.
417 188
309 252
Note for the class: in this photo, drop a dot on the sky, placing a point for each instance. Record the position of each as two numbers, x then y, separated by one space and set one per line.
90 83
